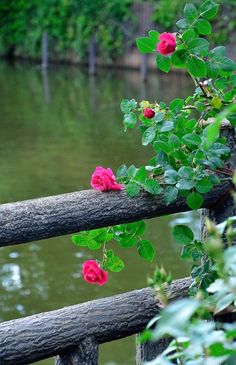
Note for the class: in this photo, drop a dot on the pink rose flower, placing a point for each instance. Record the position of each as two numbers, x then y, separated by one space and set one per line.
149 113
93 274
104 180
167 44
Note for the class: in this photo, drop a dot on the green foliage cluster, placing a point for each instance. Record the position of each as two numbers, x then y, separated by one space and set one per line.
189 155
69 23
126 235
167 11
187 146
198 339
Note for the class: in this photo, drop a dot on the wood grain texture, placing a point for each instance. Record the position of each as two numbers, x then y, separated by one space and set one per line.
30 339
58 215
84 354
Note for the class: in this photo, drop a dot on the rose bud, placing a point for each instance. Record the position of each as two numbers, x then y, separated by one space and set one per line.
93 274
104 180
167 43
149 113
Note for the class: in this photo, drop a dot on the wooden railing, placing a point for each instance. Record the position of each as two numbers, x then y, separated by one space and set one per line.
73 334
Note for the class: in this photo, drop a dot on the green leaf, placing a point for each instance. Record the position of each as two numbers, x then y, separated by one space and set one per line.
132 189
140 175
122 171
186 172
203 27
154 35
94 245
209 9
173 141
196 67
195 200
184 184
145 45
203 186
163 146
128 105
199 47
159 117
130 120
171 177
127 241
223 63
132 170
146 250
163 62
170 194
192 139
80 239
115 264
176 105
218 51
182 23
190 12
179 58
224 302
167 126
141 227
182 234
211 133
188 35
152 187
219 149
148 136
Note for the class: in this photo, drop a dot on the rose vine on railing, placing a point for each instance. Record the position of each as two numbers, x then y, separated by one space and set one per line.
189 159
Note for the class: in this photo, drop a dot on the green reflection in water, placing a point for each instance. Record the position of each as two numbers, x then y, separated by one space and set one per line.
55 128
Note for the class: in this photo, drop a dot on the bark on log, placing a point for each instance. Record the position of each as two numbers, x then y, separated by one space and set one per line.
30 339
84 354
58 215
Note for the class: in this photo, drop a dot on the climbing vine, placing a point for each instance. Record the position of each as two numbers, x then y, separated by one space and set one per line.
189 160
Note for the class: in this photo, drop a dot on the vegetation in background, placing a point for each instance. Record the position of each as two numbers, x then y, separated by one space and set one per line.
71 24
166 12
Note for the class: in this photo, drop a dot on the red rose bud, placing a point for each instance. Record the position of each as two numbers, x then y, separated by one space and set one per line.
167 43
148 113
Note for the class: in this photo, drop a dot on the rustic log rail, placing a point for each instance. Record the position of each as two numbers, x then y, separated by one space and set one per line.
43 335
58 215
73 334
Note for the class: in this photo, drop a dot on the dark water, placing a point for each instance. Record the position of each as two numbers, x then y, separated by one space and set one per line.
55 129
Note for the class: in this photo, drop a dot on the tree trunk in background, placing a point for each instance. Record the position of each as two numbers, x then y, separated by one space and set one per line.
44 56
92 56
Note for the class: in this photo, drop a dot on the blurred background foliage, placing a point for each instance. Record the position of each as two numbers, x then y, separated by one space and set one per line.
71 24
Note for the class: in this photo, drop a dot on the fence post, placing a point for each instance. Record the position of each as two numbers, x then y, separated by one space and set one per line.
223 208
143 67
148 351
92 56
44 59
84 354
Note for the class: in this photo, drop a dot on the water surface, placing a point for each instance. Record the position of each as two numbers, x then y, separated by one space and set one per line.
56 127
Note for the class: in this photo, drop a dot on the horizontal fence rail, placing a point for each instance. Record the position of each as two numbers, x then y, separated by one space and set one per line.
58 215
30 339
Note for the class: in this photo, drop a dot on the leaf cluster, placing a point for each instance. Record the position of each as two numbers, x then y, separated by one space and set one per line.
126 235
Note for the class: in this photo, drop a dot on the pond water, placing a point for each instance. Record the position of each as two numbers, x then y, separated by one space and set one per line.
56 127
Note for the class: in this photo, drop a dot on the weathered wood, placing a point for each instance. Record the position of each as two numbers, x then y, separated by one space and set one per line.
92 56
30 339
148 351
44 56
84 354
58 215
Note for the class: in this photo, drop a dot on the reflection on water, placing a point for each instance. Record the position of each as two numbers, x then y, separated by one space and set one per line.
55 128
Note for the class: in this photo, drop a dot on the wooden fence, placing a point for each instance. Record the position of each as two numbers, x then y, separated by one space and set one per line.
73 334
